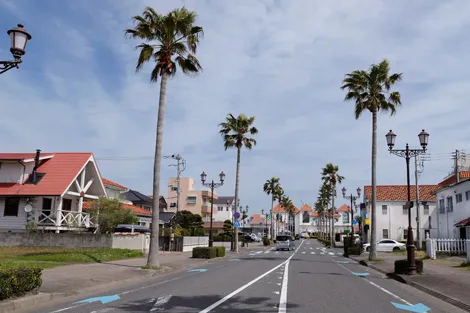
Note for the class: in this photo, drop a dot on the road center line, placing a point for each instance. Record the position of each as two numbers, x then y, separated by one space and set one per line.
283 297
227 297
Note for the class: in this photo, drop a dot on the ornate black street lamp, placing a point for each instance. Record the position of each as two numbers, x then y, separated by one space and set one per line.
244 212
353 201
18 38
408 153
212 185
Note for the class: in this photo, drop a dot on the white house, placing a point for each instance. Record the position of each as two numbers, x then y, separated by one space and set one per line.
342 220
392 216
48 189
454 207
223 209
283 222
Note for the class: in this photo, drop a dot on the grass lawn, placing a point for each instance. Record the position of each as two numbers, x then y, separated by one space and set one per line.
48 257
418 253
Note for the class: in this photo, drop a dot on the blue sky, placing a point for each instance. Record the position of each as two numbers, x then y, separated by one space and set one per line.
281 61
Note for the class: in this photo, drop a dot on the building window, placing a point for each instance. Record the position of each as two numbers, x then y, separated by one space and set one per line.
192 199
385 233
458 198
173 188
442 209
467 195
173 205
384 209
405 210
305 218
405 234
220 208
450 205
345 218
426 209
227 209
11 206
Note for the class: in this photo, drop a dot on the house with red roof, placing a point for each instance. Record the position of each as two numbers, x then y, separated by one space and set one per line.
48 188
283 222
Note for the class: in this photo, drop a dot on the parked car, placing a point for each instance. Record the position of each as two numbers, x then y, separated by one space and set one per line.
304 234
284 242
386 245
128 228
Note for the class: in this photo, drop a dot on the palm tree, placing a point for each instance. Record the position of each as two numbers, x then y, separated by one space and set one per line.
278 197
331 177
235 132
271 187
324 198
288 206
358 218
169 41
372 91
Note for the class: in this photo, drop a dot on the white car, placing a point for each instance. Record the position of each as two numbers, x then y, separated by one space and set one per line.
304 234
386 245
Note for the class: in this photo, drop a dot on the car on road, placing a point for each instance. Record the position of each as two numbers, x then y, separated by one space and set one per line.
304 234
284 242
386 245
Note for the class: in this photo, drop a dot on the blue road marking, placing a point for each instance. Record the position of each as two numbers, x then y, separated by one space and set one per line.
360 274
103 300
417 308
200 270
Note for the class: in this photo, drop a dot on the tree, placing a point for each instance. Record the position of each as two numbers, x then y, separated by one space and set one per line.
109 214
191 223
372 91
272 187
236 132
288 206
331 177
228 228
324 198
170 41
358 218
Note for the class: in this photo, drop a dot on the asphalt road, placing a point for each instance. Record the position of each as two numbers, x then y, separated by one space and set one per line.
312 280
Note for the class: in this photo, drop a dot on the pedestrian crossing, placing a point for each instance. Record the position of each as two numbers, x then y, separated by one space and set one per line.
305 250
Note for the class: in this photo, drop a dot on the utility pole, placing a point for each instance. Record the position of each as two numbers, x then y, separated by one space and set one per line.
180 167
456 157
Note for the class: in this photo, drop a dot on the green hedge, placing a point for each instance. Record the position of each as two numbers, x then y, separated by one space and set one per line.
219 251
401 266
326 242
17 281
204 252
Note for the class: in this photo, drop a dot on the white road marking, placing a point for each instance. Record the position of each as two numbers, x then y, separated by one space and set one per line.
258 252
339 253
267 251
278 284
159 303
303 252
103 310
381 288
331 253
283 297
312 252
276 292
322 253
230 295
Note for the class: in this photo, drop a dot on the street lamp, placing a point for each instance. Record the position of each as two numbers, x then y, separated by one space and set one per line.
408 153
266 223
18 38
212 185
353 199
243 212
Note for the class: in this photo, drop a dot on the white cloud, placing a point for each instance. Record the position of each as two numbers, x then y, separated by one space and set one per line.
281 61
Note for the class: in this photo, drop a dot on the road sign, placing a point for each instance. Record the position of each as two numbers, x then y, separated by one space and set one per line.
354 221
260 223
236 223
236 215
346 231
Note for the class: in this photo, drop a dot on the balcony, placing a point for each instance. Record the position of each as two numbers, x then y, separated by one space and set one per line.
206 207
67 220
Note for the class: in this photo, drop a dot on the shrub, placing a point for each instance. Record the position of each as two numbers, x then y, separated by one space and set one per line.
401 266
204 252
219 251
353 251
17 281
266 241
326 242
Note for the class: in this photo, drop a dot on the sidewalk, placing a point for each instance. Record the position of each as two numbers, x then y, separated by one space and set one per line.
442 278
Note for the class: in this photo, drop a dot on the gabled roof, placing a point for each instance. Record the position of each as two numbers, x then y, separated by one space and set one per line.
279 209
399 192
26 157
306 208
463 223
135 196
223 200
452 179
110 183
60 170
256 219
344 208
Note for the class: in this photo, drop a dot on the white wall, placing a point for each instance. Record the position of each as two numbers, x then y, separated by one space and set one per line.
396 222
13 172
12 223
222 212
459 212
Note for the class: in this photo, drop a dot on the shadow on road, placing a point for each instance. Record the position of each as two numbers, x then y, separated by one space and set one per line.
198 303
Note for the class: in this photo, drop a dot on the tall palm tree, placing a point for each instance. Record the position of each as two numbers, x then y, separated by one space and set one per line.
278 197
271 187
236 132
331 177
324 199
289 208
371 91
169 41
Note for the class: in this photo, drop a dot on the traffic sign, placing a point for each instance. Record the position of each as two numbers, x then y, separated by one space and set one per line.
354 221
236 215
236 223
260 223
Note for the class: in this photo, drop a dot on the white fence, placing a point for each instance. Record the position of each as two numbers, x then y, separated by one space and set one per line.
192 242
450 246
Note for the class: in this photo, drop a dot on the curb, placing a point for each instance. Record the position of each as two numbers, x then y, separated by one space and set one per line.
403 280
28 301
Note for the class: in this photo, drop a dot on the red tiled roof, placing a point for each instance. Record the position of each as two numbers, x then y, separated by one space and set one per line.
453 179
217 225
138 211
306 208
279 209
22 156
464 223
344 208
256 219
60 170
399 192
113 184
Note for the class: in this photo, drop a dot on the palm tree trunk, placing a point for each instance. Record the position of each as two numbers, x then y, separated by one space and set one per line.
373 246
272 224
237 183
154 258
333 218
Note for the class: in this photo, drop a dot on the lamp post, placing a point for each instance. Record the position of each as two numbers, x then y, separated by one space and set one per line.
243 212
408 153
18 38
353 199
266 223
212 185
